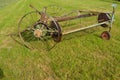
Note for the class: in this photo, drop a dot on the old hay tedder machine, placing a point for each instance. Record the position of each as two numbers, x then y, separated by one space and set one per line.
39 26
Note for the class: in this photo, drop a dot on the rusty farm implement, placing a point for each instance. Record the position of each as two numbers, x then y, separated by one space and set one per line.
39 25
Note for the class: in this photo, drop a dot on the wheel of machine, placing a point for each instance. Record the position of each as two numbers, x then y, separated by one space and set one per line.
102 17
32 29
105 35
57 35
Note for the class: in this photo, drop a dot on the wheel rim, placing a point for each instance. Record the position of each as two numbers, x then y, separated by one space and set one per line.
57 36
105 35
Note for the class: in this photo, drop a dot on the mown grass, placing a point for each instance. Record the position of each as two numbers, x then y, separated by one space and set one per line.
4 3
80 56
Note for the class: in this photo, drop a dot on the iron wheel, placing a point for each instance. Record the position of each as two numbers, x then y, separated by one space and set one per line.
106 35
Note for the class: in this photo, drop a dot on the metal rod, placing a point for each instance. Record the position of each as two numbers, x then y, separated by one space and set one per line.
35 9
96 12
80 29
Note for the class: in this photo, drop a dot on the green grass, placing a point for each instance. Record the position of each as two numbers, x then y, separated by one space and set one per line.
4 3
80 56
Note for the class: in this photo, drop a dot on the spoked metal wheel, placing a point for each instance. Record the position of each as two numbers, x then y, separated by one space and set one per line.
33 31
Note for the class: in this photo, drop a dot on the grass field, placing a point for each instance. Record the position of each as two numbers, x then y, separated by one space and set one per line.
80 56
4 3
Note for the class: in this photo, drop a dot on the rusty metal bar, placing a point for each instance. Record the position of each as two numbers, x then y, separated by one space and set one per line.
35 9
61 19
96 12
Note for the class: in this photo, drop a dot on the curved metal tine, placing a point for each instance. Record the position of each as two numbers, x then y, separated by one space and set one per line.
28 37
26 22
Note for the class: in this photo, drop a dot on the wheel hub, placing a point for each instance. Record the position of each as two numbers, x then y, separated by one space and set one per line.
38 33
105 35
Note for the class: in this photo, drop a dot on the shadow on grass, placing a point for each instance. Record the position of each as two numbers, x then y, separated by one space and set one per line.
1 74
